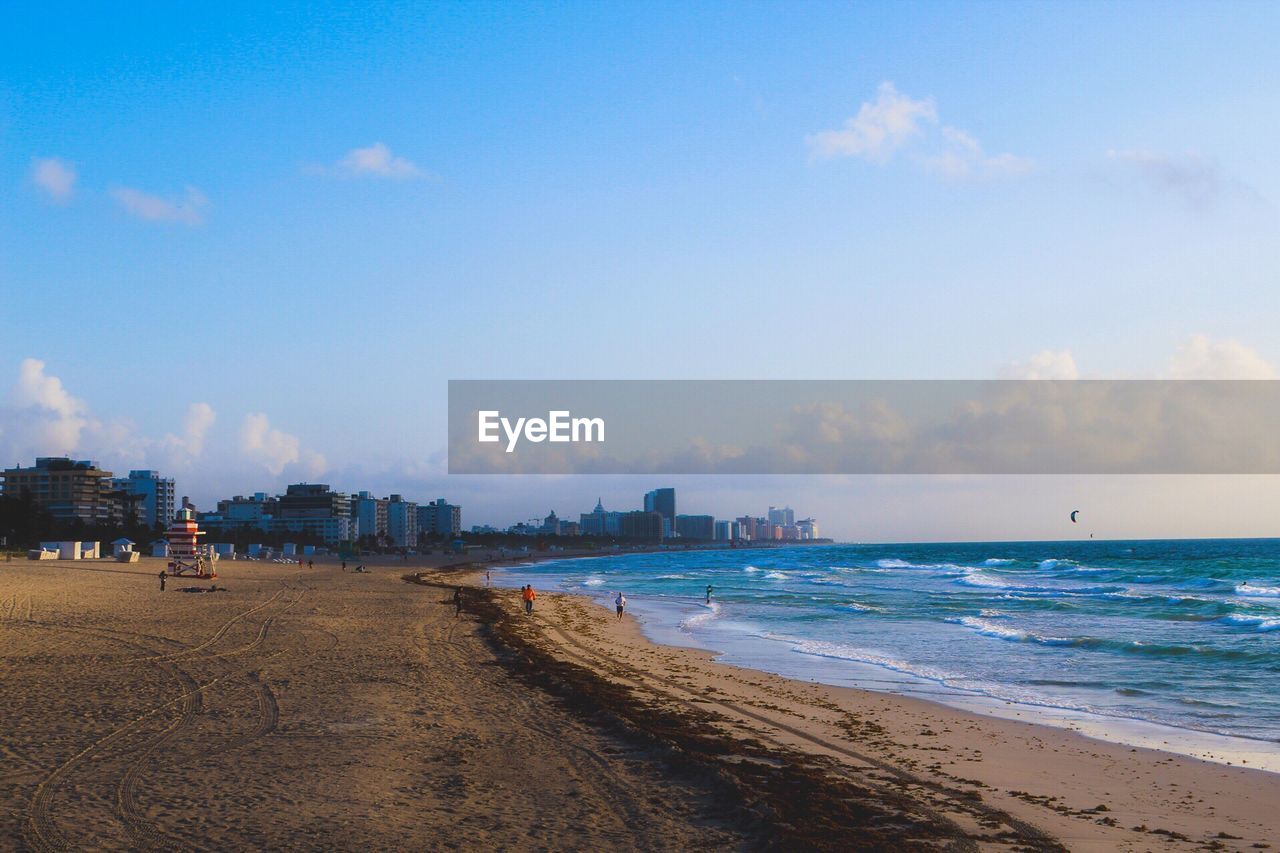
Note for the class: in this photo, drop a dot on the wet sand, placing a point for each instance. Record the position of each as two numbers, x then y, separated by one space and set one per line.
983 773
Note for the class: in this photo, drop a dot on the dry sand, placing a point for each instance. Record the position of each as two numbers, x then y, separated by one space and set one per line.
297 710
310 709
1087 794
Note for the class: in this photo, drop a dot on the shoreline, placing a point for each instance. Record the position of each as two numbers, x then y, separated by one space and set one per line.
1225 749
1079 788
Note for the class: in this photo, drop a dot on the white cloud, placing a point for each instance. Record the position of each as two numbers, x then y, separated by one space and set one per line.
54 176
45 414
963 159
1202 358
377 161
879 128
883 126
200 417
1046 364
1199 357
179 450
275 449
313 464
188 210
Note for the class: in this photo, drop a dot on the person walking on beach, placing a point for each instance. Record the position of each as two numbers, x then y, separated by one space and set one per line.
162 576
621 603
708 593
528 595
486 579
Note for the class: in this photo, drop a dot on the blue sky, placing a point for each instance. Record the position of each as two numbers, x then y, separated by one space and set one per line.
606 190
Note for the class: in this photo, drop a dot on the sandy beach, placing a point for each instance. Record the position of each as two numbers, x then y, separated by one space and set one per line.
297 710
1000 781
317 709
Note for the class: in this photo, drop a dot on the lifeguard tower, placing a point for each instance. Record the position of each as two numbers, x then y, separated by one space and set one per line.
186 555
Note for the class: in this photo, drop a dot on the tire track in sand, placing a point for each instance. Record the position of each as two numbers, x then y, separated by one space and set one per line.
41 829
142 830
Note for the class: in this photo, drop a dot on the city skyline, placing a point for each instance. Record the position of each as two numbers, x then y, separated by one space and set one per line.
82 490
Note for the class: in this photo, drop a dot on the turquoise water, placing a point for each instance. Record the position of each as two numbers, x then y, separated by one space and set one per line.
1178 633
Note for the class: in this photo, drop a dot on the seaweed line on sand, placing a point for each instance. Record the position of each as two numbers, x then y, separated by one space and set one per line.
778 799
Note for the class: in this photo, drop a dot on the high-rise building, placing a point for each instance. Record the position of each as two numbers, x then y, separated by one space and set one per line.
808 528
551 525
695 526
782 516
642 525
314 509
724 530
600 522
662 501
69 490
369 516
155 496
440 518
402 522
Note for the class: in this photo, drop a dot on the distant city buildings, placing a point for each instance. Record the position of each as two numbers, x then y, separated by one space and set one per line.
600 522
440 518
69 490
315 510
155 496
696 526
643 525
402 522
782 517
658 521
663 502
79 491
370 516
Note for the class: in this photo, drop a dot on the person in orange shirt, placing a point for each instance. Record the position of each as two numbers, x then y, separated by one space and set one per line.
528 595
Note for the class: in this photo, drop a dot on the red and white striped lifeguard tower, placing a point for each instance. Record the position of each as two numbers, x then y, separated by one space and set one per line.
186 555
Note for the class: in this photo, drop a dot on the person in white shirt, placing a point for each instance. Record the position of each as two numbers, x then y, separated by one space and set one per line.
621 603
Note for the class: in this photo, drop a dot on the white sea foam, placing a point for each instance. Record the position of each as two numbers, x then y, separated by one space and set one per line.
1261 623
863 608
902 564
777 576
594 580
1258 591
976 577
992 629
698 619
751 570
996 561
838 651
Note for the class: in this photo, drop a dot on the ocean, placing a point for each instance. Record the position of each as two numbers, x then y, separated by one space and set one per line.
1180 637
